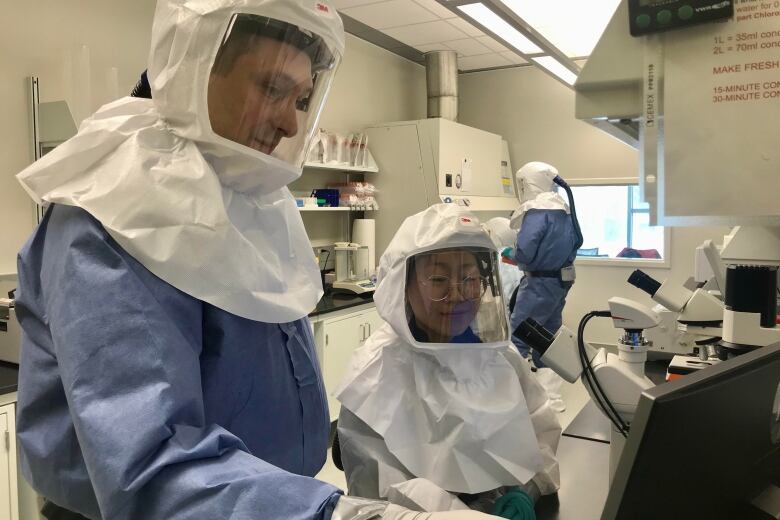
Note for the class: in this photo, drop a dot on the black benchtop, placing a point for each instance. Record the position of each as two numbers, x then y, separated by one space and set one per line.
331 302
9 375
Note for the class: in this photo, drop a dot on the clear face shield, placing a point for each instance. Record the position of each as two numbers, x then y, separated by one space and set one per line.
268 85
454 296
521 188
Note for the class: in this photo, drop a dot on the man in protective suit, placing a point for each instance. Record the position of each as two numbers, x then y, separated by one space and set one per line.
168 370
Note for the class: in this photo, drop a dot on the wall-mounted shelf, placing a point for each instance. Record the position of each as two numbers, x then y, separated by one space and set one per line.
341 168
345 208
340 208
346 168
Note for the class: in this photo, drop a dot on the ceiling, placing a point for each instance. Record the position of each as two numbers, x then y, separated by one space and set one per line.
413 27
425 25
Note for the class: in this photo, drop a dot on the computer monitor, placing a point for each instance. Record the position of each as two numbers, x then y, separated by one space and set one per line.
704 446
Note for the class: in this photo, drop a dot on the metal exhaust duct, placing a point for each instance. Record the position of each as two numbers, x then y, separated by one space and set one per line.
441 74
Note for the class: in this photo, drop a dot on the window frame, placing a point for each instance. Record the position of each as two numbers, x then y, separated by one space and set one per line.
645 263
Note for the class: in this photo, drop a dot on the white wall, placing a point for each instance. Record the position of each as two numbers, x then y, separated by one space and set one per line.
374 86
535 114
44 38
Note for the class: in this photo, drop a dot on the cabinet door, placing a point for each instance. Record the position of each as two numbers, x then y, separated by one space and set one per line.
372 321
342 337
9 505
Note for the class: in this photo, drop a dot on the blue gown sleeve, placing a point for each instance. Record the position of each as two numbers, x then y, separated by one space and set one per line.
530 236
131 376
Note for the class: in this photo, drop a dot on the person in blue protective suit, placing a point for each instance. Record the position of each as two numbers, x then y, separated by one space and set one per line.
168 369
548 237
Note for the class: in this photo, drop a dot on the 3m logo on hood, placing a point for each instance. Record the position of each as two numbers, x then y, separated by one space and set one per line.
468 222
324 8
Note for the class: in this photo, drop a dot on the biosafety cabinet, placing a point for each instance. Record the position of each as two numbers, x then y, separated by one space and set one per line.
430 161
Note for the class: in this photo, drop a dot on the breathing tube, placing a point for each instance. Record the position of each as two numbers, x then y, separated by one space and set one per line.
562 183
142 88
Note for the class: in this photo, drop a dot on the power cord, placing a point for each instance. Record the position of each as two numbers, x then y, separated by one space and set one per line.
708 341
590 376
325 264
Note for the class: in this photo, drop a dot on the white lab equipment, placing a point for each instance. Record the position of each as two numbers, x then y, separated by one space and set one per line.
669 338
352 269
10 332
690 318
431 161
709 270
364 233
614 382
52 122
699 311
745 319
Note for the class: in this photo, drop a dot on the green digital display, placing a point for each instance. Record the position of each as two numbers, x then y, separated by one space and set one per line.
651 16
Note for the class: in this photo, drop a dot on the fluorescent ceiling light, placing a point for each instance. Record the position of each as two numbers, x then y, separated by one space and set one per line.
557 68
500 27
573 26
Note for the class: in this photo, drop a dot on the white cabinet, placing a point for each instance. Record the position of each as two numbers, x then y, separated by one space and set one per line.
9 494
373 322
342 337
337 338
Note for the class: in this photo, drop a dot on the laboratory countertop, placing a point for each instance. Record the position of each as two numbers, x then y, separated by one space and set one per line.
9 376
584 467
331 302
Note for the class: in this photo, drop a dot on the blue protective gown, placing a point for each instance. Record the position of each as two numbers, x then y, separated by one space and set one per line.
139 401
546 242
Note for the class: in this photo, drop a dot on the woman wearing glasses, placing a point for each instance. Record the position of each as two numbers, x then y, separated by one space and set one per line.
438 411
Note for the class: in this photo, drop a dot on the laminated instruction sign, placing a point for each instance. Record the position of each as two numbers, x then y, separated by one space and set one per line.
721 104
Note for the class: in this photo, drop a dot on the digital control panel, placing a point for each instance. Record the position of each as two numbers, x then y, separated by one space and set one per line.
651 16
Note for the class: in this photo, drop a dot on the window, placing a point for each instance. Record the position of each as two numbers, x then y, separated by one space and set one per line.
615 224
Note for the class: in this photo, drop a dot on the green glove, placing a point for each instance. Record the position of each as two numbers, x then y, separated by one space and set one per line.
515 505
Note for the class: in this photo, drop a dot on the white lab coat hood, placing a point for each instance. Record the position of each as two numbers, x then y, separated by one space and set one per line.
536 190
186 37
207 215
439 227
454 414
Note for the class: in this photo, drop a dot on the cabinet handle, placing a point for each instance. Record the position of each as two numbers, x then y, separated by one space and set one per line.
369 330
326 340
362 332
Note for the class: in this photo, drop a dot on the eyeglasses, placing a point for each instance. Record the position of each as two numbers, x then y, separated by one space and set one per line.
438 287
